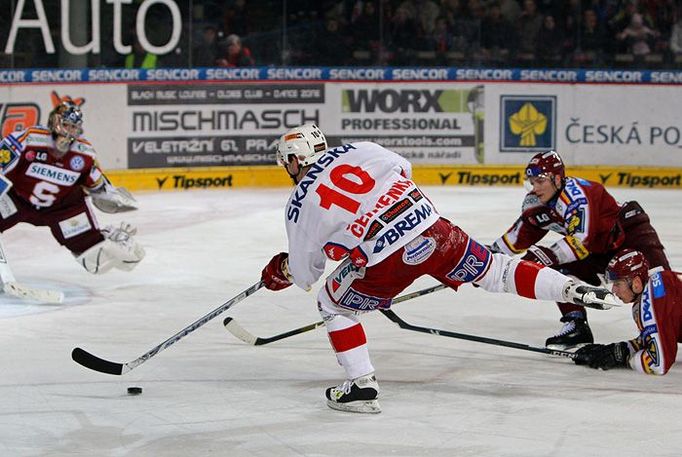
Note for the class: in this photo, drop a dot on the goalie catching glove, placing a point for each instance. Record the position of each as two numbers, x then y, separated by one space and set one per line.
118 250
111 199
604 356
276 275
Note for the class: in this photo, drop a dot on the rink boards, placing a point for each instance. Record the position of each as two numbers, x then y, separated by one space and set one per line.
192 129
486 176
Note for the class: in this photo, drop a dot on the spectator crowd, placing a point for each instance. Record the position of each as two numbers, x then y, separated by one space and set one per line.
512 33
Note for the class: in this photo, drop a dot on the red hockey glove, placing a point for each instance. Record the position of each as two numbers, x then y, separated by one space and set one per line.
542 255
275 275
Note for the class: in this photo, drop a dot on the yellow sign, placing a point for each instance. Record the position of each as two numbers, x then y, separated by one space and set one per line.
528 122
470 175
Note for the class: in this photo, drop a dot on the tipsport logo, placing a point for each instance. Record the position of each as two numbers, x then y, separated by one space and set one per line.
527 123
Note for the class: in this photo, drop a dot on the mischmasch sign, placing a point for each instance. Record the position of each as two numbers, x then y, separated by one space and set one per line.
94 45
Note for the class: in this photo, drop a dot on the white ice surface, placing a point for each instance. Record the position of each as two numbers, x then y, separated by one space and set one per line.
210 394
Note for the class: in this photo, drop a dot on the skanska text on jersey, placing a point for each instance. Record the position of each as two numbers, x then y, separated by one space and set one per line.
310 177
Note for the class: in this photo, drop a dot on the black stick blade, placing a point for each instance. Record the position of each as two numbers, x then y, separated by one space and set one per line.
95 363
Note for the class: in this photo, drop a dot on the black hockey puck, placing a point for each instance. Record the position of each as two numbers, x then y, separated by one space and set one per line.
134 390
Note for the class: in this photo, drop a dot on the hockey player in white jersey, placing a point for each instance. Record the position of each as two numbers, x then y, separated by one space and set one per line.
357 204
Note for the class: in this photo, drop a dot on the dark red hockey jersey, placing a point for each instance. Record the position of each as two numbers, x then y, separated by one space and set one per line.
658 315
42 179
584 213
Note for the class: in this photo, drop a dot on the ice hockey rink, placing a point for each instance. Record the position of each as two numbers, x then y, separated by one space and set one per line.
211 394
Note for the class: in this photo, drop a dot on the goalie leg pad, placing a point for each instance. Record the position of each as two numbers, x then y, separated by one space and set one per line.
109 254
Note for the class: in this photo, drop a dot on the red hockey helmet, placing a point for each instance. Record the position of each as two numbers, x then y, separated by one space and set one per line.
628 264
546 164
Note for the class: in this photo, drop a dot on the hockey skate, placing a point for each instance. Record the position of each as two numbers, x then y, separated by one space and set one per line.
589 296
357 395
574 334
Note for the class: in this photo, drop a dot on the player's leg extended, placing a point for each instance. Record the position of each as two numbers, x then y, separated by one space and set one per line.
470 261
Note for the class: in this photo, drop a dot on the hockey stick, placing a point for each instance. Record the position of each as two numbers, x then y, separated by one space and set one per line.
479 339
10 286
93 362
237 330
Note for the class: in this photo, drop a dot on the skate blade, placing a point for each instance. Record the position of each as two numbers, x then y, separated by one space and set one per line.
566 347
364 407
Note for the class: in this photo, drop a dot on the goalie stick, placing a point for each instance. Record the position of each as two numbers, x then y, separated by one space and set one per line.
479 339
95 363
10 286
237 330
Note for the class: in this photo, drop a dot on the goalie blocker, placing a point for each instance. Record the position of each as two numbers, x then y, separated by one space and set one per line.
111 199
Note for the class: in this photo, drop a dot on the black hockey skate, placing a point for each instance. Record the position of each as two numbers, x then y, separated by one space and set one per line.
574 334
357 396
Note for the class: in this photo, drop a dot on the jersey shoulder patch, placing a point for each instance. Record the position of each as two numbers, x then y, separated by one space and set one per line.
7 154
83 146
35 136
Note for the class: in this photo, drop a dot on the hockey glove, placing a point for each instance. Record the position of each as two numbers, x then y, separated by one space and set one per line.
276 275
542 255
604 356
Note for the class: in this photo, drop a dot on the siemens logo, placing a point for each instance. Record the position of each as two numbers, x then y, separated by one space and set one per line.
52 174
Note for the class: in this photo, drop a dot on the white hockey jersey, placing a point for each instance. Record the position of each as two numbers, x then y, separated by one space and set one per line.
357 200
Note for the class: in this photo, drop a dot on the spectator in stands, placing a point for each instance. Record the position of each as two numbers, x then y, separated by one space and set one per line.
237 19
441 40
637 35
331 46
235 54
676 37
510 10
529 25
140 58
365 27
592 40
452 10
206 52
403 31
427 12
498 35
550 42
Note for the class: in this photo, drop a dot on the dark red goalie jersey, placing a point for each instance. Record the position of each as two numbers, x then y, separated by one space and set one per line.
40 178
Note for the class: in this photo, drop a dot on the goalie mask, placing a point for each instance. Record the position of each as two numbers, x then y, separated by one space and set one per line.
306 142
65 123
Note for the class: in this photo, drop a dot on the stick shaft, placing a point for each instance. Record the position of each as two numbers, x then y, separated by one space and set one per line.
479 339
